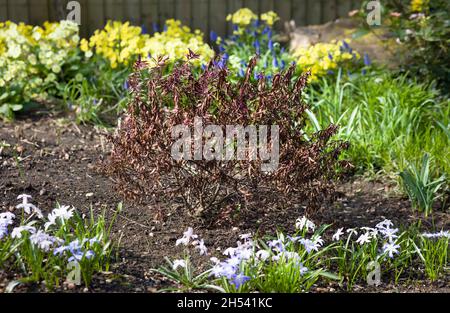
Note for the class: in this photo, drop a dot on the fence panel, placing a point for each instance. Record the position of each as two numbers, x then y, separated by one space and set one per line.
206 15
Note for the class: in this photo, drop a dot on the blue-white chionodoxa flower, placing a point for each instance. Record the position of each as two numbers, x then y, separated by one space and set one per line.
28 208
18 231
239 279
63 213
337 235
187 237
302 223
364 238
440 234
391 248
42 240
200 246
179 263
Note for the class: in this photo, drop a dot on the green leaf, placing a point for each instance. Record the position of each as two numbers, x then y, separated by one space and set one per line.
425 170
16 107
13 284
4 96
360 33
446 129
329 275
314 120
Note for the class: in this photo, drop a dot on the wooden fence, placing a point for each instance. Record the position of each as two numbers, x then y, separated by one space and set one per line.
206 15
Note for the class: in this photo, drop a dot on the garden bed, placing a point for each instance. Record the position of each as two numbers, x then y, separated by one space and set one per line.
106 188
55 160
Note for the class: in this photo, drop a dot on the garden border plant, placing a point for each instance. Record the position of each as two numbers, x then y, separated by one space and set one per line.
141 161
295 263
64 246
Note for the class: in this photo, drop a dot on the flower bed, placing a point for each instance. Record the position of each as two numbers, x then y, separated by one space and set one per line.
362 150
62 247
294 263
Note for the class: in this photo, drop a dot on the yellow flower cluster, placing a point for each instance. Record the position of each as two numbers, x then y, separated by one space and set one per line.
323 57
121 43
419 5
242 17
269 17
175 41
31 55
118 42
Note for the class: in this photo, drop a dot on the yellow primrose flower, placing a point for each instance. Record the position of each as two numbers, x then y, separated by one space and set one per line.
175 43
119 43
419 5
84 45
242 17
28 53
56 68
79 77
269 17
322 57
32 59
14 51
50 78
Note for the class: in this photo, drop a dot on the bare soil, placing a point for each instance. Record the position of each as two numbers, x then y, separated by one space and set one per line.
55 160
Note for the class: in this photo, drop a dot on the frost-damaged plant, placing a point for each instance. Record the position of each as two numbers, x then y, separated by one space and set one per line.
64 246
141 161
